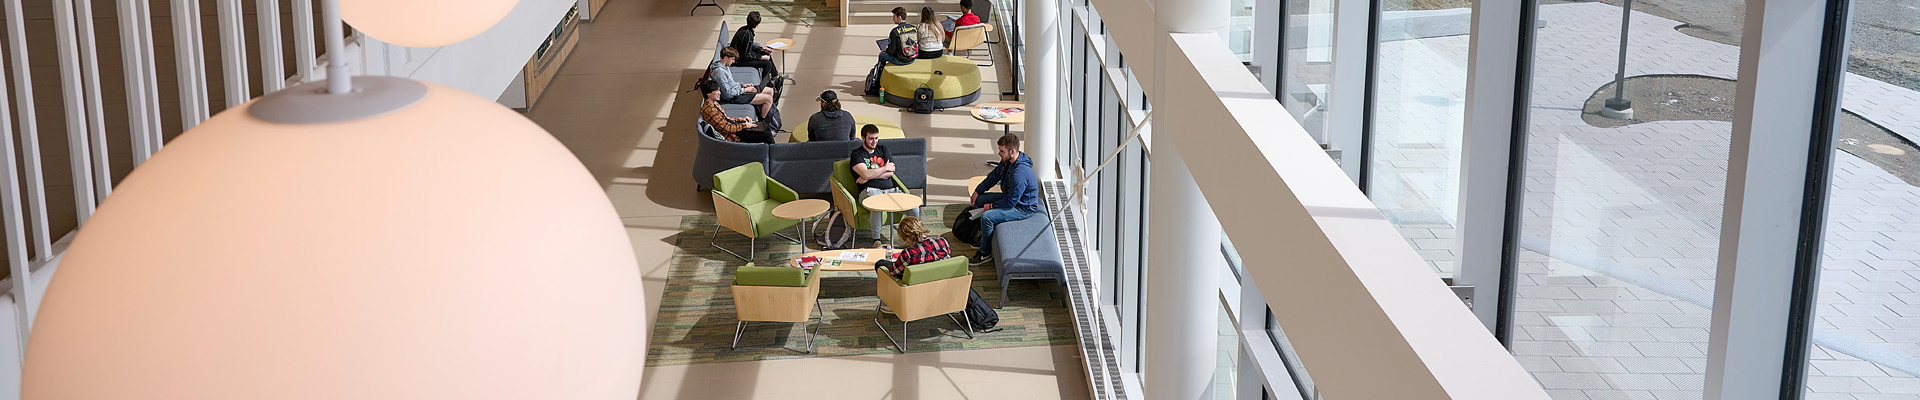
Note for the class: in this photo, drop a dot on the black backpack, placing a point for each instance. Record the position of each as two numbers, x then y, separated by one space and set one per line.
923 100
965 228
980 315
873 80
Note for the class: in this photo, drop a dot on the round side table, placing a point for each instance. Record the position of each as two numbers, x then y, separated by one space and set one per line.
801 210
889 203
1007 119
784 44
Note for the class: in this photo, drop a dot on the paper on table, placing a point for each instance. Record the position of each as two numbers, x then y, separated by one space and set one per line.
853 256
776 45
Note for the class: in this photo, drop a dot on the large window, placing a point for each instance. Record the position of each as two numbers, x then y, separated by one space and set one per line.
1866 329
1419 101
1620 227
1307 62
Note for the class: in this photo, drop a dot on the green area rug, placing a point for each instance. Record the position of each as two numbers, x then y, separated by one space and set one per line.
696 319
806 12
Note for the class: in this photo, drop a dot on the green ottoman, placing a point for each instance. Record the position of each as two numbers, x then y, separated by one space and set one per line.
888 129
956 84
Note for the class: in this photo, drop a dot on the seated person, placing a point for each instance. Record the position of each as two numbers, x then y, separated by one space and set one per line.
1021 193
734 92
734 129
921 249
831 123
931 34
873 170
902 44
751 53
966 17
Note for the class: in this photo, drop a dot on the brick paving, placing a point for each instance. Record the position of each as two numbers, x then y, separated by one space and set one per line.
1622 229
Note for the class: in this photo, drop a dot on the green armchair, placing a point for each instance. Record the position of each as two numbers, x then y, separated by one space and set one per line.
924 291
744 199
846 196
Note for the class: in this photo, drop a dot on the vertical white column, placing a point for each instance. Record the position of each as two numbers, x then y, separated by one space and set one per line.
233 51
1183 248
1347 94
67 48
1042 68
1485 154
29 131
1777 99
1267 40
189 63
96 112
142 78
273 72
16 231
304 57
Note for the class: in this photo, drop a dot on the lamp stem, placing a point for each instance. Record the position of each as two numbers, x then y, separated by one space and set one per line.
339 81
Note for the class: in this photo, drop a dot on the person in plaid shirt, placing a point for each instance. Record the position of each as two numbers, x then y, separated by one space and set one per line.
921 249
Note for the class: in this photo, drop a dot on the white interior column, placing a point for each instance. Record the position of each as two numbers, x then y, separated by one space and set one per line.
1042 58
1777 97
1347 93
1183 242
1486 155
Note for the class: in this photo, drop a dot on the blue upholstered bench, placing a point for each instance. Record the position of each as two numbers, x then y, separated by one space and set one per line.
1026 249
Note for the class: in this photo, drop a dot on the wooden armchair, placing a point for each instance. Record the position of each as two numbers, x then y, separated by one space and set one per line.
970 37
925 290
776 294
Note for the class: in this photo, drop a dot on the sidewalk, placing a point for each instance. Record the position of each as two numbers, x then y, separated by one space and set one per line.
1621 233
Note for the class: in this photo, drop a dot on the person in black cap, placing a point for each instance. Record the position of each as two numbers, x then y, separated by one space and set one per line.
831 123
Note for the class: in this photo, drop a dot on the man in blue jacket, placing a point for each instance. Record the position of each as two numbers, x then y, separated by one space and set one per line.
1021 191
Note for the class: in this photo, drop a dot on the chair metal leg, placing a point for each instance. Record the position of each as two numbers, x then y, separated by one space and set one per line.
883 330
789 238
738 327
712 241
1003 297
821 319
963 313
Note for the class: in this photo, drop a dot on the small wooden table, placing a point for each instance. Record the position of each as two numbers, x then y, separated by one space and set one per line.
801 210
784 44
828 256
888 203
1007 120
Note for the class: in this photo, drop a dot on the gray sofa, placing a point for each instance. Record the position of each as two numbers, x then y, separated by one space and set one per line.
1026 249
805 167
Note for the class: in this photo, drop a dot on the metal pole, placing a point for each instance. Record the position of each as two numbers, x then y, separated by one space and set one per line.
1618 107
338 79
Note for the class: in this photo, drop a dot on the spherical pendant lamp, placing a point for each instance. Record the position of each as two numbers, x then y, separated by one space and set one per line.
424 23
393 240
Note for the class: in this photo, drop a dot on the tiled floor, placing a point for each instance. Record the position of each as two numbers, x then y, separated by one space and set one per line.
621 105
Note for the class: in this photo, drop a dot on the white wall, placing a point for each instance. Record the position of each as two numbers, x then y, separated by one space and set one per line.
484 65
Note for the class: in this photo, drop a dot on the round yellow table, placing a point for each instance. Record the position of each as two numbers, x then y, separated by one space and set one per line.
1007 120
888 203
800 210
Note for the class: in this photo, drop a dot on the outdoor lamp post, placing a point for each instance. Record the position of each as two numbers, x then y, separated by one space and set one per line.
1618 107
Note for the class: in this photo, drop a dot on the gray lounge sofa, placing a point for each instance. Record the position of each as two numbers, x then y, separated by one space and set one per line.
1026 249
806 167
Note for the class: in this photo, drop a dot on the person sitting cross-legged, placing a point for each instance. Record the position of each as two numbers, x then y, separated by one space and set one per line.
1020 189
873 170
734 92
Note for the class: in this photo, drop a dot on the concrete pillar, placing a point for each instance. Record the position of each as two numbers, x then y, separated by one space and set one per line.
1183 241
1043 54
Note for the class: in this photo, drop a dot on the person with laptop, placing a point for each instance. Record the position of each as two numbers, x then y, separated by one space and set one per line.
902 44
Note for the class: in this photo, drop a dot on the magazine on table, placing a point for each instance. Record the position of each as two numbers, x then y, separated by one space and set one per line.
855 256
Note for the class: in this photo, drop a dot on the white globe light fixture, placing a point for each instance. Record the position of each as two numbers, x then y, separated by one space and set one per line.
372 238
424 23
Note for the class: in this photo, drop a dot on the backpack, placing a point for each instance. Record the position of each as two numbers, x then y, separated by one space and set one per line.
980 315
965 229
923 100
873 80
832 235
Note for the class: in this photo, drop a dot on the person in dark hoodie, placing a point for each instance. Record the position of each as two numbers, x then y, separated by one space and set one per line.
1021 191
831 123
751 53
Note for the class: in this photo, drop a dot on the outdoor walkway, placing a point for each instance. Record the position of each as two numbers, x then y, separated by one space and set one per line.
1621 229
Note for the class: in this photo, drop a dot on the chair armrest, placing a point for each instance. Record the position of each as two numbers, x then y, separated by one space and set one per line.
732 214
780 192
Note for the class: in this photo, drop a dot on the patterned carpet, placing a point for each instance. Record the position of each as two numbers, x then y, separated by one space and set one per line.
805 12
696 318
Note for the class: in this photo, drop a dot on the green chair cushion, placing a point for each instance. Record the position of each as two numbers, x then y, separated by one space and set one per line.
933 271
959 77
763 220
888 129
843 180
746 184
751 275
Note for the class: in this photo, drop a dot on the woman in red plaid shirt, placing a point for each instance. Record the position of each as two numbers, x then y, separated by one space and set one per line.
921 249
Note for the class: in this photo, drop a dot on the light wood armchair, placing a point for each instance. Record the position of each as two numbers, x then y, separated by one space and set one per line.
917 301
969 38
790 304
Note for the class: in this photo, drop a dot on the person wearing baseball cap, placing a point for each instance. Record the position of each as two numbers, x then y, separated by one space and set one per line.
831 123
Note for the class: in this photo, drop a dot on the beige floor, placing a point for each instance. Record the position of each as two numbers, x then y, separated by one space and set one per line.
621 105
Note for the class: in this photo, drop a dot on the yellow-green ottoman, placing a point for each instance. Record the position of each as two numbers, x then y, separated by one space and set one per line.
957 82
888 129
